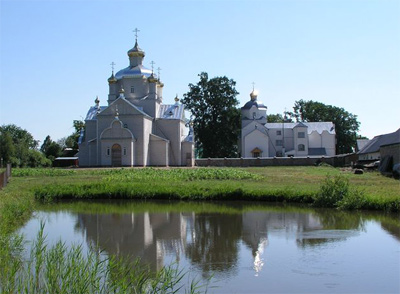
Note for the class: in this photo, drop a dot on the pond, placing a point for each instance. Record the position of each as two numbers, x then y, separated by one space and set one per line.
246 247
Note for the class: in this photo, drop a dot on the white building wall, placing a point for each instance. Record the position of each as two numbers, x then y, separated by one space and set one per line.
187 154
141 88
147 128
171 130
329 142
254 113
158 151
298 141
256 139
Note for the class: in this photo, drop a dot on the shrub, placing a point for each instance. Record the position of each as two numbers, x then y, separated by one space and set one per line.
332 191
336 192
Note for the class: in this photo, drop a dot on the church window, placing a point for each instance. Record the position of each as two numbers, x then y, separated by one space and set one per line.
124 151
125 126
256 154
301 135
108 151
254 115
301 147
132 89
279 143
278 133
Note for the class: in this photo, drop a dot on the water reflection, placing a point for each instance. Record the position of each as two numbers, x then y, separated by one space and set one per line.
248 247
211 240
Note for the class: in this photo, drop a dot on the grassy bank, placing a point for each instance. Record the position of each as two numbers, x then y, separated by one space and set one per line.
280 184
289 184
313 185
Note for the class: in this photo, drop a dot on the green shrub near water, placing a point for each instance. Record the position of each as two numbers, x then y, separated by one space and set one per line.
336 192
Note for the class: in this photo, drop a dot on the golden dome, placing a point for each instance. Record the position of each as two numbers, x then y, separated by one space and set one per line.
112 79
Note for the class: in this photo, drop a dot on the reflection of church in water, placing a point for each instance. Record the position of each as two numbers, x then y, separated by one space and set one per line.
209 241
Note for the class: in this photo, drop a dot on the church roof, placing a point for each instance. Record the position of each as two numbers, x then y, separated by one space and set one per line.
318 127
175 111
255 103
137 71
92 113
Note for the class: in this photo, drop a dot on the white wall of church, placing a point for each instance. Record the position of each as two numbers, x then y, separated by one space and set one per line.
256 139
140 87
127 150
159 152
147 128
300 142
255 113
187 154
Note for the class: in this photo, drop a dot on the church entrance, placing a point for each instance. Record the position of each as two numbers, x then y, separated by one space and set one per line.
116 158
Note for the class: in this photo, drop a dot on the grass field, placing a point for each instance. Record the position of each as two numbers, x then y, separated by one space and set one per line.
290 184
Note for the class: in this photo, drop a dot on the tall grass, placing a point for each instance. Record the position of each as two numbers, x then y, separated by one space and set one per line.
61 269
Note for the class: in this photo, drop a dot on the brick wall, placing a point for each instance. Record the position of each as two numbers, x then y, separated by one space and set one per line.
341 160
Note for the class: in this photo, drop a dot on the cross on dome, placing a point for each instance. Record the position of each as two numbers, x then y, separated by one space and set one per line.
158 72
136 33
112 66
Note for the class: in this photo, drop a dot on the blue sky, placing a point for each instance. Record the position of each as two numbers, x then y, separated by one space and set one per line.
56 55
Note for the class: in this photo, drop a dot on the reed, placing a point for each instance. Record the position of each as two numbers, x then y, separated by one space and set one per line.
61 269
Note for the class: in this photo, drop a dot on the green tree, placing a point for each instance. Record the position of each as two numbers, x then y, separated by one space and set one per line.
7 148
37 159
278 118
346 124
50 148
72 140
22 141
216 120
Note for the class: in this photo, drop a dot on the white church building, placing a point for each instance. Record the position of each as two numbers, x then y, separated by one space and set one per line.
135 128
262 139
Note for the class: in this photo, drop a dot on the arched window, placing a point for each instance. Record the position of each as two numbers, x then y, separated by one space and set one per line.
301 147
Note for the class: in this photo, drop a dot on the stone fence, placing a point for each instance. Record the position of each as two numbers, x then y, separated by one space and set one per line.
337 161
5 176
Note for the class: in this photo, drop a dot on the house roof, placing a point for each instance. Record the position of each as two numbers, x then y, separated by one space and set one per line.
375 143
361 143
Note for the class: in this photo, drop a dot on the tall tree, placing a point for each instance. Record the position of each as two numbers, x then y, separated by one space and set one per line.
278 118
18 147
216 120
72 140
50 148
346 123
22 142
7 149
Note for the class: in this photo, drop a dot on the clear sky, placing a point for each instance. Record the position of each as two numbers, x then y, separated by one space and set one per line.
56 55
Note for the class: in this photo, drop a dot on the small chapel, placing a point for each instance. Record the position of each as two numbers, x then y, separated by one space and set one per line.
287 139
135 128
